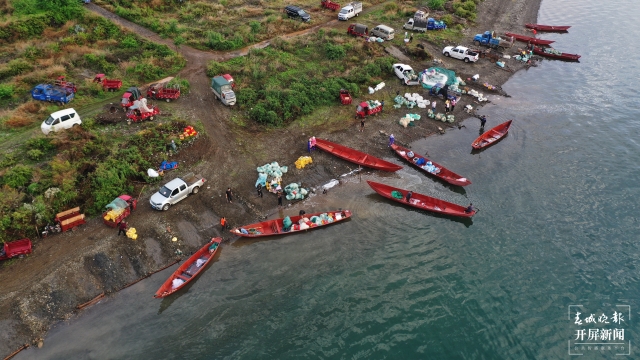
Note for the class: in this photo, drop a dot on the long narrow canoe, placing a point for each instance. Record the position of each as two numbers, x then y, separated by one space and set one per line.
420 201
529 39
548 28
430 167
491 136
276 226
356 156
554 54
190 269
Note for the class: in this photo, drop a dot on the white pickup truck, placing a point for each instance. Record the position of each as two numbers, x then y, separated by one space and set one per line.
350 10
176 190
461 53
406 74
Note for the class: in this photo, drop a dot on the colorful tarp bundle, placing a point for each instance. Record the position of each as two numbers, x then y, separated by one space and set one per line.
303 161
294 191
188 131
131 234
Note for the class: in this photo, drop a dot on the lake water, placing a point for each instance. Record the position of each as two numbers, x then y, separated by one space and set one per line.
554 236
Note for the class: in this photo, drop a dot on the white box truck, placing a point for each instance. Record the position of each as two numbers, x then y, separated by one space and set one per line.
350 10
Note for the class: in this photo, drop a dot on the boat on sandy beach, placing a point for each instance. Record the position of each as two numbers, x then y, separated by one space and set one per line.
492 136
190 269
356 156
529 39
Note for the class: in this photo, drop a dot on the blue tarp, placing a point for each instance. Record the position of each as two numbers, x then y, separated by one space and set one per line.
168 165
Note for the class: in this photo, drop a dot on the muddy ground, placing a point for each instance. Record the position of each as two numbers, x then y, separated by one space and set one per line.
69 269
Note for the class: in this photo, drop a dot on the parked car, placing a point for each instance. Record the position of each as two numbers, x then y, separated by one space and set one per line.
295 12
350 10
358 30
383 31
461 53
176 190
223 90
60 120
406 74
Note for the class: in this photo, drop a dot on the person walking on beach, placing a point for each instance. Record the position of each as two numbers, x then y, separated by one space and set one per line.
279 199
229 195
362 125
483 120
259 188
382 105
392 139
433 106
446 106
122 228
453 104
223 223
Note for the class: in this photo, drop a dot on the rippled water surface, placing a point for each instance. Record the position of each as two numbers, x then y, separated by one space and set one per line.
558 226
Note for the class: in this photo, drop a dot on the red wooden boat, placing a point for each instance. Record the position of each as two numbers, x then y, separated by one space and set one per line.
420 201
547 28
276 226
430 167
555 54
356 156
529 39
492 135
190 269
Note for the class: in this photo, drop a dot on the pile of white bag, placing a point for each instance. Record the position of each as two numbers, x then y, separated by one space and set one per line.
477 95
407 119
417 99
377 88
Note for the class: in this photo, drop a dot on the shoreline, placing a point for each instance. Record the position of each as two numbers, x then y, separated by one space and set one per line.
93 266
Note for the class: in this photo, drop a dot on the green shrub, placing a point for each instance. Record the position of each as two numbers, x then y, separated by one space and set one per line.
182 83
436 4
6 91
448 19
392 6
129 42
334 52
35 154
18 176
40 143
255 26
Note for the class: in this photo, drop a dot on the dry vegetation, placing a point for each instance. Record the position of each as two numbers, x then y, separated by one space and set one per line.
220 25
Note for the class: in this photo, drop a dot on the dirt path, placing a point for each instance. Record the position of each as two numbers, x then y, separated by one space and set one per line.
69 269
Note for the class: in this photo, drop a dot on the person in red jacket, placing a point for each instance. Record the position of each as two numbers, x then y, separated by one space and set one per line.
122 228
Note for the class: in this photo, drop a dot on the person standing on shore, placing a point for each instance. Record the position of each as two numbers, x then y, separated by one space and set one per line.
229 195
483 120
223 223
453 104
122 228
362 125
279 199
446 106
392 139
259 188
433 107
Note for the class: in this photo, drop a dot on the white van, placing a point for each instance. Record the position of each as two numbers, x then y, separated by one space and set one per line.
59 120
383 31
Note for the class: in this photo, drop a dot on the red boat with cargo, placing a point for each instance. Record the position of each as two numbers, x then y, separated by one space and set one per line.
15 248
356 156
548 28
430 167
420 201
555 54
277 226
190 269
492 135
529 39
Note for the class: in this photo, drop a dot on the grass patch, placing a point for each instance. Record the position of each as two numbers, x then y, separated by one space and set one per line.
291 79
